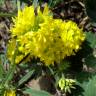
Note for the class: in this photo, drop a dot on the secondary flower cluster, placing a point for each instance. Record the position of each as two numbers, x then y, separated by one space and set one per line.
9 93
49 39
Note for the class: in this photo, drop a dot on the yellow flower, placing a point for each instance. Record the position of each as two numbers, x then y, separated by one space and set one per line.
42 36
9 93
12 49
26 19
55 40
72 37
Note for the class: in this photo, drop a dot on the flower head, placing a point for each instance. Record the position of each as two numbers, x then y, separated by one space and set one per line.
42 36
9 93
24 21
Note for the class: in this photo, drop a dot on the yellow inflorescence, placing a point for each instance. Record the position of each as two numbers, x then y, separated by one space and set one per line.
9 93
42 36
24 21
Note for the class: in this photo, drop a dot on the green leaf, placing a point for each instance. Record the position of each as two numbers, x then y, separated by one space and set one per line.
91 38
1 68
25 78
90 87
86 88
51 70
90 61
1 72
33 92
9 75
7 14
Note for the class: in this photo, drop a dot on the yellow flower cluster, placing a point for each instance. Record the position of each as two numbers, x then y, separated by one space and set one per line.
42 36
24 21
9 93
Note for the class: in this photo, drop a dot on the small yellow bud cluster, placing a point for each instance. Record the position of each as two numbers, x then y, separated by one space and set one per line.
66 84
9 93
42 36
